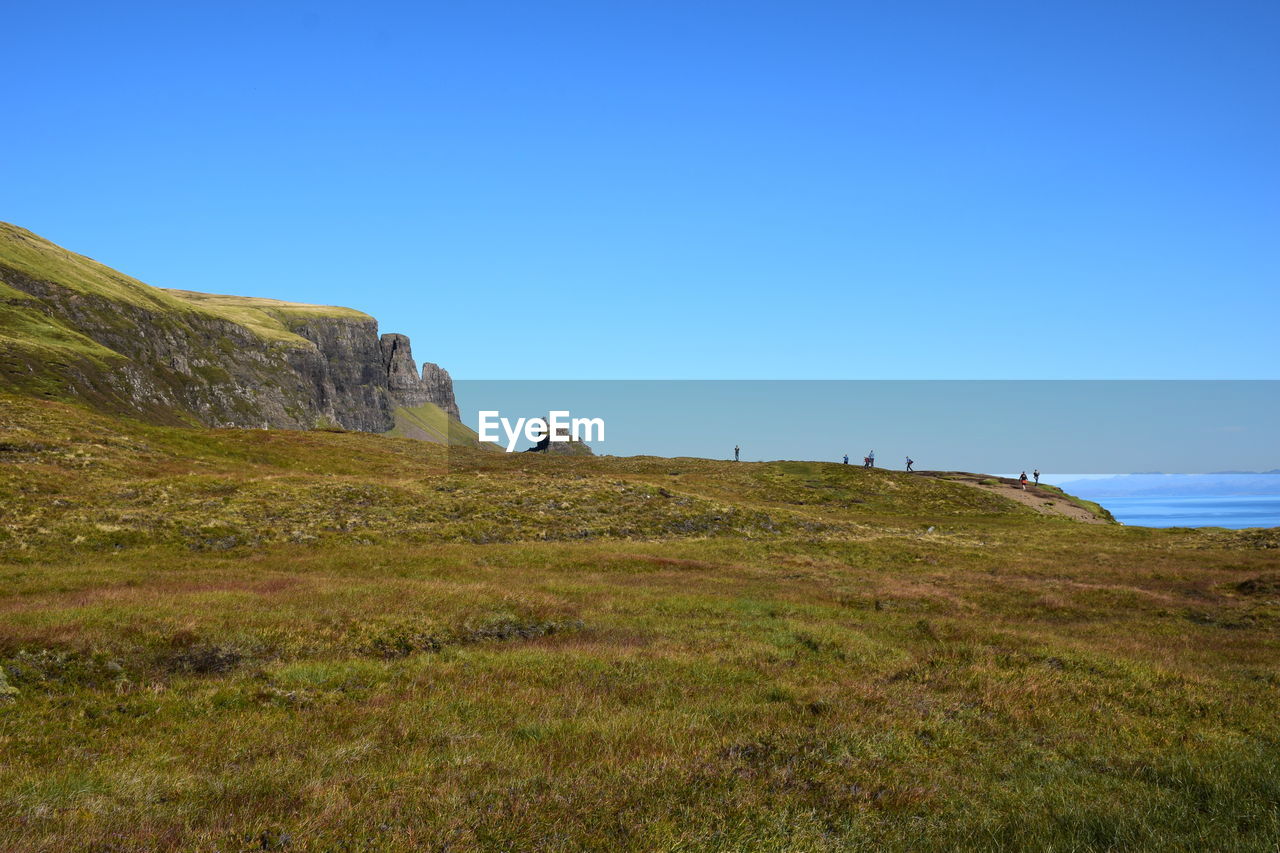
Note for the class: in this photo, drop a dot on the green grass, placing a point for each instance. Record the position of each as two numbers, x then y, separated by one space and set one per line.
37 258
429 422
247 640
23 327
271 319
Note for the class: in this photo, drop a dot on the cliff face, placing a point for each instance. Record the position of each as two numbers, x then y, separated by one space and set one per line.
439 387
408 388
73 329
352 389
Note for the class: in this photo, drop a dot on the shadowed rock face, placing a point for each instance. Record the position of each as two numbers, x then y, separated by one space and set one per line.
353 385
439 388
407 388
402 373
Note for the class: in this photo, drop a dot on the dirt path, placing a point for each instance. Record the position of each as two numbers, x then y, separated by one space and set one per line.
1041 500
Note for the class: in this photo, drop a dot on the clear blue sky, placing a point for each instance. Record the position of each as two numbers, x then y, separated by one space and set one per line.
674 189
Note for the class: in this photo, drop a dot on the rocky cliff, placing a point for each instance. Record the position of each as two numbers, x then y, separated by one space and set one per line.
71 328
408 388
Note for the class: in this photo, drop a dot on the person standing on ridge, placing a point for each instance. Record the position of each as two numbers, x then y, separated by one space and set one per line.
1036 474
909 463
1023 480
846 459
871 459
736 450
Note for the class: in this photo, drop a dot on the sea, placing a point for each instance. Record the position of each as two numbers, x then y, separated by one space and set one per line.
1234 511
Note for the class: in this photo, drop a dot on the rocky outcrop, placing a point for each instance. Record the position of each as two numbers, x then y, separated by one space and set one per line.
564 445
353 388
74 329
402 373
439 387
407 387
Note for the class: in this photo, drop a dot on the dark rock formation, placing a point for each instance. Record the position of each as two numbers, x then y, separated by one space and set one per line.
565 445
353 384
407 388
439 388
401 371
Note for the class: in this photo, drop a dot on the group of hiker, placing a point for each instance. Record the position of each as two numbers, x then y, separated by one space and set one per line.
869 461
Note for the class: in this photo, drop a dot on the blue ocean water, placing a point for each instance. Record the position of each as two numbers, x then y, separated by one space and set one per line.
1235 511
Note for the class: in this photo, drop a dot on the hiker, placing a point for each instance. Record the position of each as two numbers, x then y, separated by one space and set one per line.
1036 474
1023 478
846 459
909 463
871 459
736 449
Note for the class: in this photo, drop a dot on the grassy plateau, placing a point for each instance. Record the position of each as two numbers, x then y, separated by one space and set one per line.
265 640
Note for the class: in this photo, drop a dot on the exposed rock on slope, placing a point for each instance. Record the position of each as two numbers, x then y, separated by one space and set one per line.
407 387
439 387
564 444
71 328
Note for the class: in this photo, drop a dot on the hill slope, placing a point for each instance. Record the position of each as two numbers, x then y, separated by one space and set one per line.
84 481
73 329
247 639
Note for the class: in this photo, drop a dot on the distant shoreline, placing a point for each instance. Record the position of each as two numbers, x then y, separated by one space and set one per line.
1236 512
1225 484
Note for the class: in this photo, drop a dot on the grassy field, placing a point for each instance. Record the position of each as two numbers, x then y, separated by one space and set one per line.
253 640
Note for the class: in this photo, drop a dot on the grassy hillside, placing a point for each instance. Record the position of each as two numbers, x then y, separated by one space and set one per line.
72 329
429 422
273 319
247 640
33 345
37 258
40 259
59 341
